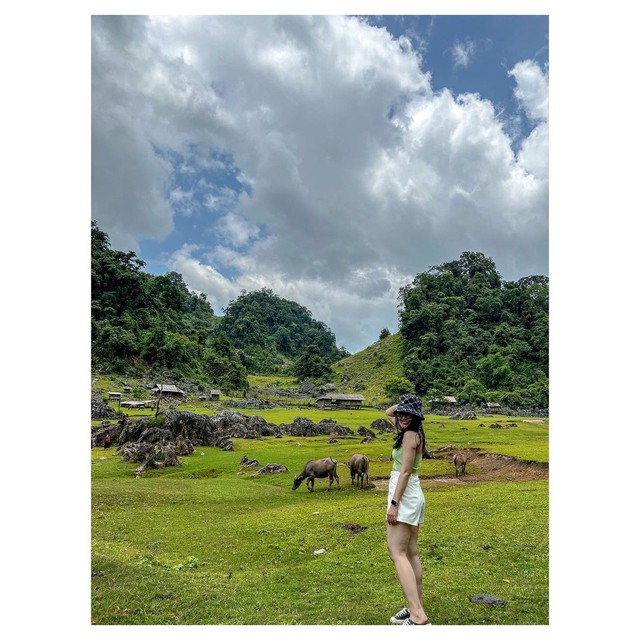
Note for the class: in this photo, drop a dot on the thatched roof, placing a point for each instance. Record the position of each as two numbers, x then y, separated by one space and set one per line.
215 392
342 396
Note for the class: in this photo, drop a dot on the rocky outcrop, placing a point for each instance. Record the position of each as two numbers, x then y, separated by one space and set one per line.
326 427
270 468
382 425
183 430
463 415
366 433
100 410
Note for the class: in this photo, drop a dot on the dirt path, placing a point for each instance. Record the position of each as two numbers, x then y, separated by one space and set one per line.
481 467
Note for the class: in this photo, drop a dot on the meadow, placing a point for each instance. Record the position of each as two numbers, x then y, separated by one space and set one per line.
207 543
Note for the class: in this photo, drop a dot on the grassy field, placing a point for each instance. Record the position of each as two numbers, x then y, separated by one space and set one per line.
369 370
206 543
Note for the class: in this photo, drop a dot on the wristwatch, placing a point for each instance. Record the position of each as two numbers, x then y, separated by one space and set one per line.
394 503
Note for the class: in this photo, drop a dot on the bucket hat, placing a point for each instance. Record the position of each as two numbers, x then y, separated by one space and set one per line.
410 404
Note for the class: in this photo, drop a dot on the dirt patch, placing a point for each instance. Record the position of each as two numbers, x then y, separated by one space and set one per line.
354 528
481 467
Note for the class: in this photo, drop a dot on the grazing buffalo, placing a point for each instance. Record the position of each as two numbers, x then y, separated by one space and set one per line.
460 462
326 467
359 466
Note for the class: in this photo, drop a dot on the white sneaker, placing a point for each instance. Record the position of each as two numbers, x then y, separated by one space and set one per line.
409 621
400 617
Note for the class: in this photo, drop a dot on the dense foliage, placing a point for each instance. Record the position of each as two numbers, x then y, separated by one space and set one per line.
273 332
469 333
141 323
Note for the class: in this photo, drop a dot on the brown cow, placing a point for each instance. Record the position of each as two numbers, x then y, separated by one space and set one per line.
323 468
460 462
359 467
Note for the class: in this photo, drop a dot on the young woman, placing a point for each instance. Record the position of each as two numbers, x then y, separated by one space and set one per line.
405 505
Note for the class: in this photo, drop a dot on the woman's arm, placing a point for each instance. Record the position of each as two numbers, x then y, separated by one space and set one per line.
390 413
410 443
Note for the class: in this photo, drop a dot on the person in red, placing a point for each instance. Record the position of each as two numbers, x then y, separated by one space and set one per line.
405 505
107 441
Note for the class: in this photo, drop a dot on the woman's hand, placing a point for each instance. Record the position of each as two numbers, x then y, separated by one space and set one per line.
392 515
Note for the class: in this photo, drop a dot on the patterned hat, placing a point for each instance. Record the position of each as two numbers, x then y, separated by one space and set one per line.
410 404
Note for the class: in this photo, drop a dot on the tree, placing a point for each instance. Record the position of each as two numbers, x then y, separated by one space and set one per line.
396 386
385 333
311 365
464 326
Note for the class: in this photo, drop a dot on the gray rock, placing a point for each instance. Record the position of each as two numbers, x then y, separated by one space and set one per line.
485 598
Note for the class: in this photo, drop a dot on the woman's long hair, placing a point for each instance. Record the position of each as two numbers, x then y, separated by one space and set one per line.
414 425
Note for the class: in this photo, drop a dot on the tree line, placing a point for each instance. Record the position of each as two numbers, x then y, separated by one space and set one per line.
468 332
147 324
465 331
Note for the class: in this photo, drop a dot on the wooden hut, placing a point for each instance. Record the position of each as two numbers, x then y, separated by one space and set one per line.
340 401
114 395
168 390
133 404
214 394
443 402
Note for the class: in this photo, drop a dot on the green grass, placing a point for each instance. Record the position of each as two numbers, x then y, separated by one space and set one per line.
369 369
205 543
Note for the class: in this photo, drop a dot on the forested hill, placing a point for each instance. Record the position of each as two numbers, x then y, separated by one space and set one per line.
146 324
272 331
464 331
469 333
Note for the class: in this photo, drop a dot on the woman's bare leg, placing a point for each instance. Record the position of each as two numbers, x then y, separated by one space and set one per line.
398 544
412 555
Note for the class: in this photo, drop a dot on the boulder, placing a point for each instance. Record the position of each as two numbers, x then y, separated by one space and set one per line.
485 598
270 468
245 461
100 410
382 425
170 457
367 433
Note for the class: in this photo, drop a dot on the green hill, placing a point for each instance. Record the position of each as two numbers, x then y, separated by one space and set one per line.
370 370
144 325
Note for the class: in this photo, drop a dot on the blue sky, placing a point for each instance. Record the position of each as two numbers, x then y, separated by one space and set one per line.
329 158
471 53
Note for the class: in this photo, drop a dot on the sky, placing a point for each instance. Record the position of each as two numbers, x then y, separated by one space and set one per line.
329 158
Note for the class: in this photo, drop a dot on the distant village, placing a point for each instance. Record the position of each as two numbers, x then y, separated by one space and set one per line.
327 401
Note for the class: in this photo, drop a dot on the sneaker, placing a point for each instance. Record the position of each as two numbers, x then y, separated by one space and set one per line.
401 616
410 621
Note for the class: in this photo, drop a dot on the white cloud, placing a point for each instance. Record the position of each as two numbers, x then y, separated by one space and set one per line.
463 52
237 231
353 203
532 89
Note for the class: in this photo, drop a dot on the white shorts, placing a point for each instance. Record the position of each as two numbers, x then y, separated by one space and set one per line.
411 505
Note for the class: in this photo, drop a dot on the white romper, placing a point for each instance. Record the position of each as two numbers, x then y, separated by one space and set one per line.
412 504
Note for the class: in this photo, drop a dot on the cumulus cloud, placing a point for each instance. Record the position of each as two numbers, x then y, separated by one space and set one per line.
532 89
356 175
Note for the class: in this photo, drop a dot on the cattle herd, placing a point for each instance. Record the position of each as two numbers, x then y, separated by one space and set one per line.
359 468
328 468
